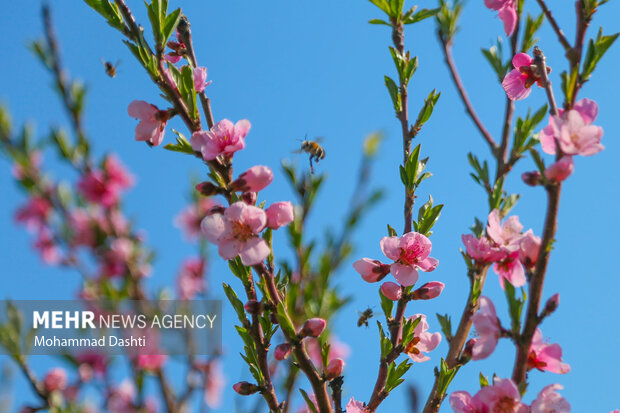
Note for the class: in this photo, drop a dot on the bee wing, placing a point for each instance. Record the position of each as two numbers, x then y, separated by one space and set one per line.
319 139
297 151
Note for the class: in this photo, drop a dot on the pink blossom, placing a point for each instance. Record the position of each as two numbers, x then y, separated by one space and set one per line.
463 402
55 379
178 50
151 361
561 169
502 397
545 356
116 258
481 249
189 219
214 385
488 329
422 341
223 139
200 79
510 269
587 108
518 81
529 248
190 280
254 179
282 351
82 227
572 132
391 291
428 291
410 253
35 213
236 233
280 214
355 406
117 173
120 399
152 123
507 234
313 327
507 13
45 244
90 363
550 401
94 188
371 270
334 368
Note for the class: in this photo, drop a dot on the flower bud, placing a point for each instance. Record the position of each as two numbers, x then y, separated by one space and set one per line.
371 270
552 304
531 178
280 214
207 188
561 169
253 307
428 291
244 388
55 379
253 180
467 351
392 291
313 327
282 351
334 369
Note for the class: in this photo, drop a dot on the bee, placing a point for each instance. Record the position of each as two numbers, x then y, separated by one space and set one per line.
312 148
364 317
110 69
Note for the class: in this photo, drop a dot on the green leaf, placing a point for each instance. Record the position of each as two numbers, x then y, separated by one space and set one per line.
387 305
395 373
531 27
285 321
391 231
427 109
596 50
494 56
447 19
394 93
307 399
483 380
421 15
446 325
182 145
379 21
236 303
445 376
170 25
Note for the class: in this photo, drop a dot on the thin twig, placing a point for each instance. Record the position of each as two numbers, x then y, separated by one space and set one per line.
447 48
555 25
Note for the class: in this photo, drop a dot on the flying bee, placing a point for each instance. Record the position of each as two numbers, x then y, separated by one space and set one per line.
312 148
364 317
110 69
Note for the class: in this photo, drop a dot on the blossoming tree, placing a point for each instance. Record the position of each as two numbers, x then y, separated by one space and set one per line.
285 307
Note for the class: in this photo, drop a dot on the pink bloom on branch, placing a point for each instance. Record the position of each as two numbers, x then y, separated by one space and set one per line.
481 249
254 179
510 269
189 219
280 214
116 173
422 341
355 406
35 213
518 82
463 402
46 245
151 361
573 134
83 227
214 384
200 79
95 188
313 327
190 280
561 169
55 380
371 270
550 401
152 123
507 234
529 248
410 253
282 351
334 368
587 108
507 13
502 396
391 291
429 291
223 139
488 329
545 356
236 233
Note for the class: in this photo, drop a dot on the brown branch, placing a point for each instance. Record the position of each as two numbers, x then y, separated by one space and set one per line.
447 49
555 26
457 342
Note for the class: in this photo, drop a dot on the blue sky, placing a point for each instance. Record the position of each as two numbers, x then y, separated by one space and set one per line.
293 68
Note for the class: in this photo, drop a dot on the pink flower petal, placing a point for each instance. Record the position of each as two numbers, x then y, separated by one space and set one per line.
514 85
391 247
406 275
254 251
